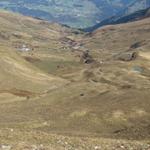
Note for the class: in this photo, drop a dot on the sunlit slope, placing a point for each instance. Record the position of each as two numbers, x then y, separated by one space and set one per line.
17 76
21 79
109 98
120 37
43 39
17 29
50 89
13 65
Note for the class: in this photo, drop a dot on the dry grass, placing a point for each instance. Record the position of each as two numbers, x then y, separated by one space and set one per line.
48 90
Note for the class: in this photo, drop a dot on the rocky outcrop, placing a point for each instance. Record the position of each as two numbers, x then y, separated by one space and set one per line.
127 56
86 58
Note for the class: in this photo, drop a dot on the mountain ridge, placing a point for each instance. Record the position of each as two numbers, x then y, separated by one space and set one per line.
81 13
141 14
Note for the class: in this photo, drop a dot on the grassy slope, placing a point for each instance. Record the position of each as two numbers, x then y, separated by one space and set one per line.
19 77
110 99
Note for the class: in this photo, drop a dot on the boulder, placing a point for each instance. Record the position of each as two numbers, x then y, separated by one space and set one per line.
127 56
86 58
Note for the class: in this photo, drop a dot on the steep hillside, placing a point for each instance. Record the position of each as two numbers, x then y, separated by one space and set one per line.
136 5
64 89
141 14
21 43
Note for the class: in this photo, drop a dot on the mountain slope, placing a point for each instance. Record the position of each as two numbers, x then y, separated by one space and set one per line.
107 97
136 5
121 19
64 89
19 77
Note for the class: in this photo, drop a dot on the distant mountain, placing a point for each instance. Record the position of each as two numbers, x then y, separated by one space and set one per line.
136 5
121 19
74 13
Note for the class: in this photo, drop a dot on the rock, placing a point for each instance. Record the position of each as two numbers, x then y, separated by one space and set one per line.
17 35
76 47
88 61
41 145
81 94
86 58
97 148
34 147
122 147
138 69
45 123
25 48
127 56
5 147
137 44
12 130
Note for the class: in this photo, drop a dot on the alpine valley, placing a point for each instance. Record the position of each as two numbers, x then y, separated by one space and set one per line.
65 89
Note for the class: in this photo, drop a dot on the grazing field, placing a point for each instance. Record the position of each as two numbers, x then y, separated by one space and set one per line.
61 88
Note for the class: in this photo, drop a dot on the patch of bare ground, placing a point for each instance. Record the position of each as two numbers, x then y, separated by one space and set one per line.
20 93
31 59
